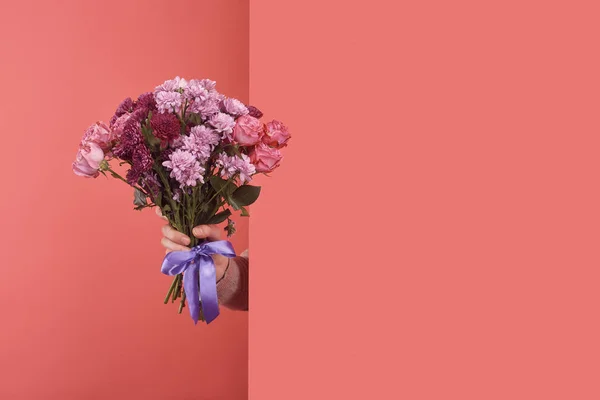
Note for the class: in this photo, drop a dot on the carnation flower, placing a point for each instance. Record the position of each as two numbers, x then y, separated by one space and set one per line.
254 112
232 165
223 123
185 168
165 127
234 107
168 101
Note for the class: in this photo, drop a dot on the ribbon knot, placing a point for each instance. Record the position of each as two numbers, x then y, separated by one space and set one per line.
199 276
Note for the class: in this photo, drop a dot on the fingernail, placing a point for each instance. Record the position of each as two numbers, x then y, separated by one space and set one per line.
186 240
197 231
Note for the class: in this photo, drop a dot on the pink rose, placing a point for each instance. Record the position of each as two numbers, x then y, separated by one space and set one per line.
276 134
99 134
247 131
87 162
265 158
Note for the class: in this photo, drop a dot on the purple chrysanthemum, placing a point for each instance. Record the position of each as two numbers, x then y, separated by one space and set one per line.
205 108
141 162
195 91
195 146
232 165
208 84
254 112
168 101
206 135
165 127
234 107
223 123
185 168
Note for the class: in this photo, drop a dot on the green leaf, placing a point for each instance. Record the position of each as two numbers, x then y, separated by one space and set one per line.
139 198
245 212
222 186
245 195
220 217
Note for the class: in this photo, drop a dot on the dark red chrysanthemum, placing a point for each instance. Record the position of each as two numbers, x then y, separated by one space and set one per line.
130 140
254 112
126 106
146 102
141 162
165 127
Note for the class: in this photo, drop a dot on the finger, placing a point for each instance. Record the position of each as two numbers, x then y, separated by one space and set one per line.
175 236
172 246
210 232
159 213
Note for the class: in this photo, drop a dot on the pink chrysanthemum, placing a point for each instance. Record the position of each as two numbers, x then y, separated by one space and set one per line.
206 135
232 165
196 147
195 91
168 101
223 123
234 107
185 168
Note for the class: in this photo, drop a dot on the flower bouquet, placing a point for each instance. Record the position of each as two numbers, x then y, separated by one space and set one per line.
191 151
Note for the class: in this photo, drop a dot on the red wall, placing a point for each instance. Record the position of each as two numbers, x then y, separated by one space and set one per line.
433 232
81 289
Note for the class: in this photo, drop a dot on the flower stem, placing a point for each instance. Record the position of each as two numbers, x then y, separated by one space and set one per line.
182 304
171 289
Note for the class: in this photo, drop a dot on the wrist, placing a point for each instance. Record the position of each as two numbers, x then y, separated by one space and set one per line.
225 270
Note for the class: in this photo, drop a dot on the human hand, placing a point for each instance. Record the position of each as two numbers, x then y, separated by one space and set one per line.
174 240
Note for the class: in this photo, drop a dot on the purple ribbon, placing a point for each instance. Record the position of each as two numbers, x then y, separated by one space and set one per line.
199 276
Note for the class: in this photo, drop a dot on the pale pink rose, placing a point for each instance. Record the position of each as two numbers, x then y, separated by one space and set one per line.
99 134
265 158
247 131
88 160
276 134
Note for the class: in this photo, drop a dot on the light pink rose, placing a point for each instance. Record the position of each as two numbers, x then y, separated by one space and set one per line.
99 134
276 134
265 158
88 160
247 131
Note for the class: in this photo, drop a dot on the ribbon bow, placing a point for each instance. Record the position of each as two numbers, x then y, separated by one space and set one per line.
199 276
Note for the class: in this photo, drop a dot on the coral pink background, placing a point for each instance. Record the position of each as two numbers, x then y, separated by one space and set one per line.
433 232
81 289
